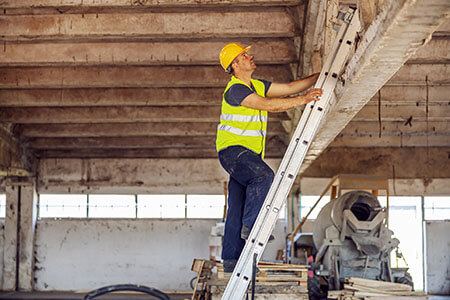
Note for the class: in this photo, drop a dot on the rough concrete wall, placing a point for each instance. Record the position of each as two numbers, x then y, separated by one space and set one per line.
437 257
73 254
2 243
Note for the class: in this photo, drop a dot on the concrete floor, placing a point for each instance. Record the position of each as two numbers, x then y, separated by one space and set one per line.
79 296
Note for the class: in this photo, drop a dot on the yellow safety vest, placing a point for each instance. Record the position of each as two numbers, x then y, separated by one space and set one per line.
242 126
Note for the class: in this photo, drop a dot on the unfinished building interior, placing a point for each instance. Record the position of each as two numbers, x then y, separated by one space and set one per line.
108 119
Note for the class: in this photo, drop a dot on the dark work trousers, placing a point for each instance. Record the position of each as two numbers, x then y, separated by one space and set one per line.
250 181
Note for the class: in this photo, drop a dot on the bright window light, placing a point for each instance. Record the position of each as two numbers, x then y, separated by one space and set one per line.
405 220
437 208
2 205
62 206
112 206
307 203
205 206
161 206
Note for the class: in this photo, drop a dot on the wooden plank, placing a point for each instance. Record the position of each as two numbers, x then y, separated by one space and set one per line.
435 51
139 77
378 284
127 53
195 24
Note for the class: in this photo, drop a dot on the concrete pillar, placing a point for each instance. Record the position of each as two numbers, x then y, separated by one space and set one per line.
28 217
9 279
20 224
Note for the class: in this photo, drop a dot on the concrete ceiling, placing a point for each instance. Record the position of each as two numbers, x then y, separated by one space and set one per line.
141 79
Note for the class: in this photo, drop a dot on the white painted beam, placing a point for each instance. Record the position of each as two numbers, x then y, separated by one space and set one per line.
396 33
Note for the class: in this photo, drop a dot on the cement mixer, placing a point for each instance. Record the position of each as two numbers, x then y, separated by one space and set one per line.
351 239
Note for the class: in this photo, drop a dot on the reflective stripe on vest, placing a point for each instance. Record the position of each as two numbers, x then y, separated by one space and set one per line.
241 131
242 118
242 126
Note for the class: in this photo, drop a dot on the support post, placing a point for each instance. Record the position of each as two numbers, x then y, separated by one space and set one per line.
9 280
20 224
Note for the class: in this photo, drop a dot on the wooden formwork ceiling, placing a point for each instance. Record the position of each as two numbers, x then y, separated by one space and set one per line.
141 79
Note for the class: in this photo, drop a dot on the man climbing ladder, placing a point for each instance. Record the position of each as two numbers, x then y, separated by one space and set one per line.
293 158
241 139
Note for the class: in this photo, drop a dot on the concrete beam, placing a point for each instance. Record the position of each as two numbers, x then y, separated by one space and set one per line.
274 150
165 176
414 162
141 142
434 74
402 140
421 112
397 187
395 34
396 127
195 24
436 51
126 4
124 114
411 94
269 51
111 97
139 77
128 129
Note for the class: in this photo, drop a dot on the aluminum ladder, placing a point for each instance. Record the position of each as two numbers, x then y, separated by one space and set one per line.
306 129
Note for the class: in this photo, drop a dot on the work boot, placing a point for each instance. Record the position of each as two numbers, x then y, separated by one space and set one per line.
245 232
230 264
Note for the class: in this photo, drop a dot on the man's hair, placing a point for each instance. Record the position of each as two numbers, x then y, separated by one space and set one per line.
230 69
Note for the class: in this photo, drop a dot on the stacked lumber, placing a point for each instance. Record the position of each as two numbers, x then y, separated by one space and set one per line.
360 288
271 272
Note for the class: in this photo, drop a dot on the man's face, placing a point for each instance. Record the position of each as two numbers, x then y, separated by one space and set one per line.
244 62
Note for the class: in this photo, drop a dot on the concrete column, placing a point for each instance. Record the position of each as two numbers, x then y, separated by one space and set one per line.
9 279
20 224
28 217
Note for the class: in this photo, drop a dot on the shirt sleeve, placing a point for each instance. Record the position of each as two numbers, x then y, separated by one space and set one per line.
237 93
267 85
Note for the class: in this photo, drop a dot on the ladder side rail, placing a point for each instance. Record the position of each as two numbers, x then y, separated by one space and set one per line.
277 194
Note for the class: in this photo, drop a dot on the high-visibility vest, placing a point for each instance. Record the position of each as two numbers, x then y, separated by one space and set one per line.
242 126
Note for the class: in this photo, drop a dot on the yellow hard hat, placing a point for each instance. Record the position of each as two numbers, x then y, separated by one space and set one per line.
230 52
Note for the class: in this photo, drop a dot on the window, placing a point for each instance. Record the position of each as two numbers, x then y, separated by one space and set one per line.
161 206
437 208
402 211
307 203
2 205
112 206
63 206
205 206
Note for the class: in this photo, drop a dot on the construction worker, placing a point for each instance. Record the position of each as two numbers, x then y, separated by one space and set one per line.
241 139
